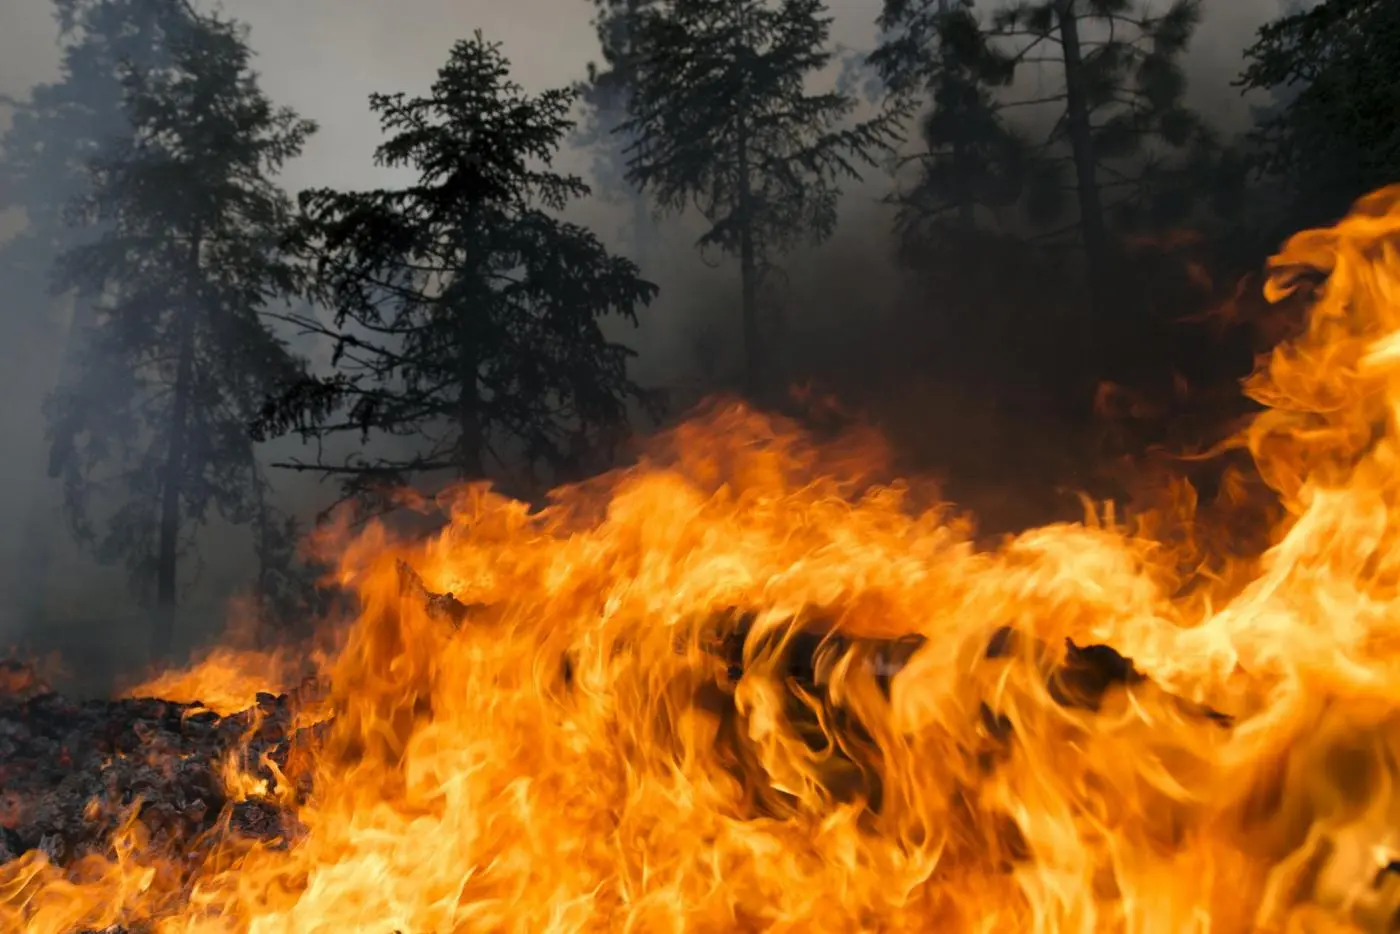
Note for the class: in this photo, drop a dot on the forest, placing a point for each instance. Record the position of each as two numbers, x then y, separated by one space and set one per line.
766 480
1072 238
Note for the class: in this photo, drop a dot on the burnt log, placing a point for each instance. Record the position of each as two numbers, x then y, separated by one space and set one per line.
799 655
438 605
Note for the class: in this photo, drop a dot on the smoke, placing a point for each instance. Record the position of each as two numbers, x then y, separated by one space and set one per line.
840 303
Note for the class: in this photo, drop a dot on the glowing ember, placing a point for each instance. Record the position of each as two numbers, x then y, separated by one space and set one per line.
567 747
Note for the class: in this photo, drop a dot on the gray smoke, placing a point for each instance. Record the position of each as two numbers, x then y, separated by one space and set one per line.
324 57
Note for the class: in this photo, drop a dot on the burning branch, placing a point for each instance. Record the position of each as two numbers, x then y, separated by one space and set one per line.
439 605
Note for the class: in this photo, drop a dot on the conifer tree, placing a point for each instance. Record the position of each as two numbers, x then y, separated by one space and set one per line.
1119 103
62 124
177 356
1334 68
605 94
722 118
466 311
54 131
938 53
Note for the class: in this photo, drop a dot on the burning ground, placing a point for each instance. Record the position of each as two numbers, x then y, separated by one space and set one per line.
744 686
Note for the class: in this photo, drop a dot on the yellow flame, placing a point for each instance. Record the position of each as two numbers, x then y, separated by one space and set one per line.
575 755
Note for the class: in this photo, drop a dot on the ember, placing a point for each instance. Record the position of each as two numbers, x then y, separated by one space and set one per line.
741 686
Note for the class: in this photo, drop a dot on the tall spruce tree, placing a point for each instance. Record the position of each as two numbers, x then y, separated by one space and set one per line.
63 124
54 131
177 357
466 312
722 118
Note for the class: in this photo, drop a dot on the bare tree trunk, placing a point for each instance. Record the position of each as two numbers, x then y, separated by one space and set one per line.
748 260
1091 218
748 275
470 439
263 545
37 555
163 624
967 210
643 246
962 170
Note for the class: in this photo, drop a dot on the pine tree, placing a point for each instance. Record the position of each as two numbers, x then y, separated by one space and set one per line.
721 118
466 312
177 358
937 52
44 155
1335 70
1119 103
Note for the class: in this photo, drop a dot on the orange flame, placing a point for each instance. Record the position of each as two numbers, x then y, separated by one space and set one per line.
671 704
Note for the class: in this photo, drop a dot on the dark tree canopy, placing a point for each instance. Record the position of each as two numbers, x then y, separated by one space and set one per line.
1122 151
937 53
1109 148
177 357
722 119
63 124
1121 98
466 312
1055 136
619 25
54 131
1336 69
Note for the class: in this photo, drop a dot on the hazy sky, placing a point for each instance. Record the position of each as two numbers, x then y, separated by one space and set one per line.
324 57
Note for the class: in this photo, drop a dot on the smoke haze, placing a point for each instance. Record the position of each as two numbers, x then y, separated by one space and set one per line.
324 58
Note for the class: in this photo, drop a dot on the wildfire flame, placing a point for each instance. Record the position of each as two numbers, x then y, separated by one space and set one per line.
670 701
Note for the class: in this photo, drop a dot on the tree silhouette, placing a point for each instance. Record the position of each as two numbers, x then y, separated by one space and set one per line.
1119 104
63 124
938 53
466 313
605 94
177 357
1336 136
721 118
44 156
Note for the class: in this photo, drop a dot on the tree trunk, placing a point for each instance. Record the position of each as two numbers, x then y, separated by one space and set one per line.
1091 219
36 557
748 260
642 245
748 275
470 439
163 626
262 531
962 170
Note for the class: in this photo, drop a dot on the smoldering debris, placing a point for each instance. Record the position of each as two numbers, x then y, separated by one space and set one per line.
71 772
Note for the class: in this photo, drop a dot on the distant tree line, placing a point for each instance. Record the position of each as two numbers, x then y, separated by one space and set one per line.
463 311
